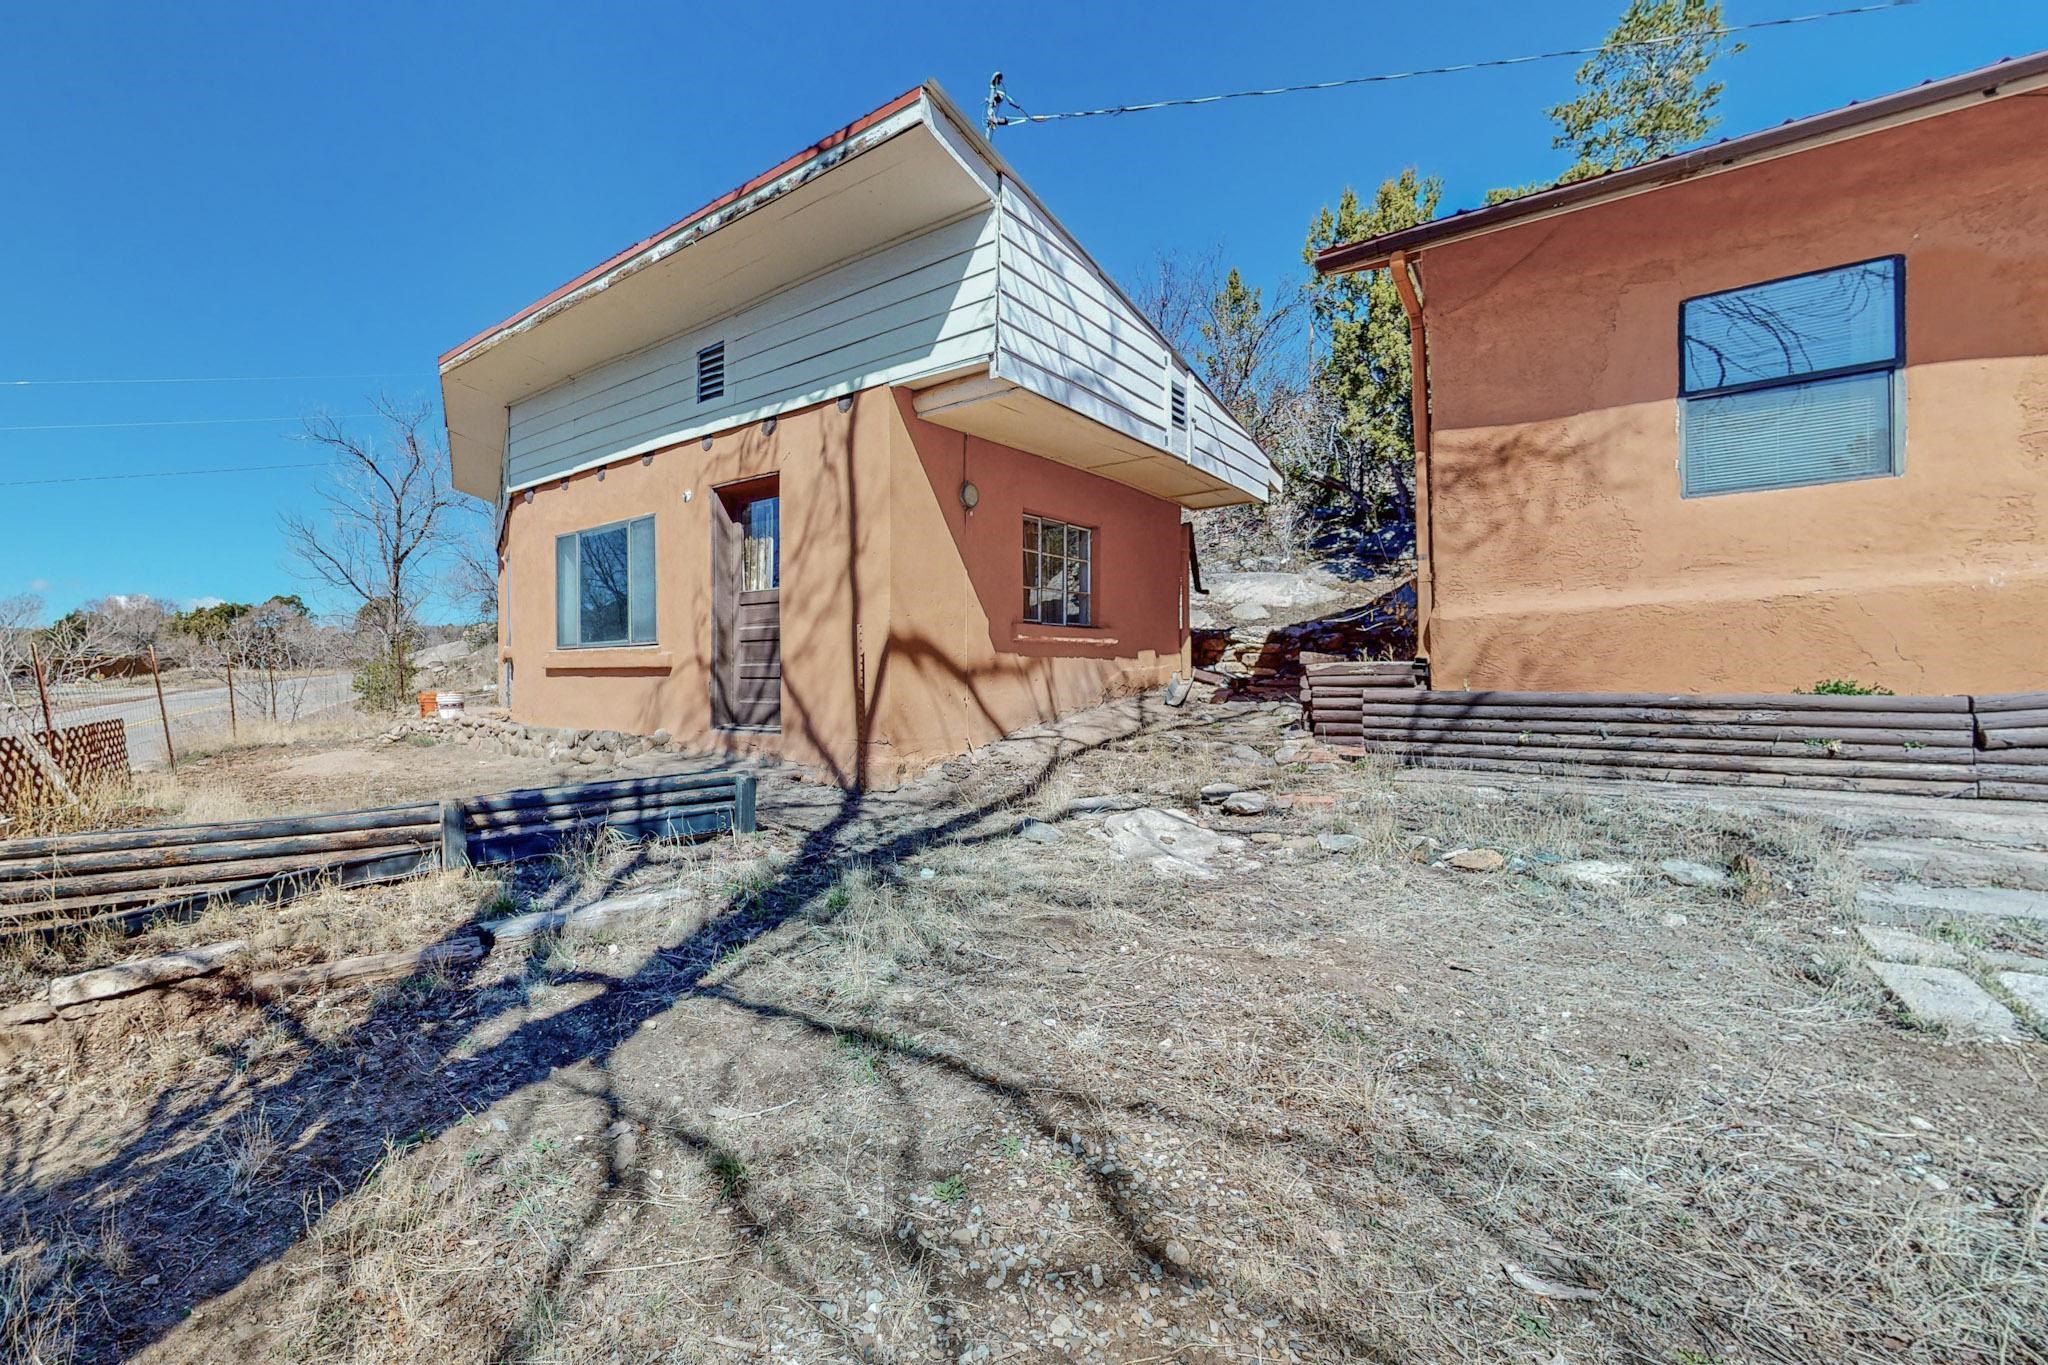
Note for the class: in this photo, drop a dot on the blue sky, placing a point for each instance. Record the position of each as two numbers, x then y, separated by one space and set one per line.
226 190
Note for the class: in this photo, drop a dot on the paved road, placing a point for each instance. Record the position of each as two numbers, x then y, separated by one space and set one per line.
196 710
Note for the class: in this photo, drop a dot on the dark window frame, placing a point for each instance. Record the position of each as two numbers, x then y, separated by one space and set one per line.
1893 366
1088 617
625 524
1897 362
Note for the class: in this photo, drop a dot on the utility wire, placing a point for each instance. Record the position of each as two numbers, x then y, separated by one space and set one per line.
205 379
175 422
158 474
1025 116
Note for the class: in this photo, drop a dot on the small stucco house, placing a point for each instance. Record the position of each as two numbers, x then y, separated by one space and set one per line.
1749 417
863 463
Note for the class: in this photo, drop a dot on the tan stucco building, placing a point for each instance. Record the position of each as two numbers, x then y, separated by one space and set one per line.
1746 418
863 464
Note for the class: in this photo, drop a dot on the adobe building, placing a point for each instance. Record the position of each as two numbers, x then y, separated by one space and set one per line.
1746 418
863 464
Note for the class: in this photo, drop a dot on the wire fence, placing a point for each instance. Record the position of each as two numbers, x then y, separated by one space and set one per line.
194 708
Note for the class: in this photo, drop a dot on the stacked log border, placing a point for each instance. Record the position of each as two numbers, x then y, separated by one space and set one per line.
1924 745
2012 746
126 879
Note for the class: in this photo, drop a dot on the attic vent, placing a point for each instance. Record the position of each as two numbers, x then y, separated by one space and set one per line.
711 372
1180 406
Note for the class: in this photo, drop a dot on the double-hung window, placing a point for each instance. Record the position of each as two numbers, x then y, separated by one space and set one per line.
1793 382
604 585
1059 573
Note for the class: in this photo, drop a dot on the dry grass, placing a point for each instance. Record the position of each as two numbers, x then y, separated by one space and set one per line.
1041 1102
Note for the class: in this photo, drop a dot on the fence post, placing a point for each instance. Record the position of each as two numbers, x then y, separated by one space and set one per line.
233 731
163 713
743 804
42 689
454 837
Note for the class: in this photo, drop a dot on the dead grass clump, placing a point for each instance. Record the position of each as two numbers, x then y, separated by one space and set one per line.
39 1306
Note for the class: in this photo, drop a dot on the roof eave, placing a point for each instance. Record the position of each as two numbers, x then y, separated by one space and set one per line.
1922 101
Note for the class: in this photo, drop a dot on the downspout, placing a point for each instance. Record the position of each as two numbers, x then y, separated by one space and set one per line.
1406 278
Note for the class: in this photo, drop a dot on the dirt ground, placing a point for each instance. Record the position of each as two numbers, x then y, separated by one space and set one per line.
939 1076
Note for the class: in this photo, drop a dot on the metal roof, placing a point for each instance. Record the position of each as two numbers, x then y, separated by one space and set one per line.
1930 98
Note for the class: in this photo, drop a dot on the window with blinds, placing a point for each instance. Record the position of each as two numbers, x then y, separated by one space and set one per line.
1793 382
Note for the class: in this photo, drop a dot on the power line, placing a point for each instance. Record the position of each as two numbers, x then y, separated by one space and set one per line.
207 379
174 422
159 474
1002 97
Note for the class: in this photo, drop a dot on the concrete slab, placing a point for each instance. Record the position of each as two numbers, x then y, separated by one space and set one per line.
1903 945
1943 997
2030 989
1982 902
1945 862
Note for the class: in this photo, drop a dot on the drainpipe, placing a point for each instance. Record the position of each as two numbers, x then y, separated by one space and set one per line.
1406 277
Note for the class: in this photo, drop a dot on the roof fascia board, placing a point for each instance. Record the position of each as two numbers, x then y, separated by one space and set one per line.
899 120
1825 130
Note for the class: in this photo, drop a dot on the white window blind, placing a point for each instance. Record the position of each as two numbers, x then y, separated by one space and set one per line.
1793 382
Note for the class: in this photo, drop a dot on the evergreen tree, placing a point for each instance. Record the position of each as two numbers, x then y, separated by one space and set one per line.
1645 95
1364 372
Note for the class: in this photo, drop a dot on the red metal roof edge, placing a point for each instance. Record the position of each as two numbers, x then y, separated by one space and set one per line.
1371 252
824 144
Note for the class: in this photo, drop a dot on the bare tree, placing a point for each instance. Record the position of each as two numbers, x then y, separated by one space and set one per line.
387 516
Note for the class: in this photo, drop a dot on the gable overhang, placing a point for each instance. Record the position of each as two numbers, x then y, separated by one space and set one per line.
914 164
2018 76
880 179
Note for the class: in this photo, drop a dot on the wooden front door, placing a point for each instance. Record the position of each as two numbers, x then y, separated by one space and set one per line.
746 616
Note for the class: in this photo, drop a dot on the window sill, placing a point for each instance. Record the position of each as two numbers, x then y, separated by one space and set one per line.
1070 635
623 659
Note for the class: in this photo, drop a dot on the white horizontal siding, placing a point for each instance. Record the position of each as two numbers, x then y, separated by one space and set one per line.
1064 332
921 306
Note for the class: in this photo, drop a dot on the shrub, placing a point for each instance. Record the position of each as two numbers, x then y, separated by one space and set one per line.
1845 687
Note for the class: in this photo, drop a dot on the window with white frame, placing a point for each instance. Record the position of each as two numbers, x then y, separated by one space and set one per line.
1793 382
1059 573
604 585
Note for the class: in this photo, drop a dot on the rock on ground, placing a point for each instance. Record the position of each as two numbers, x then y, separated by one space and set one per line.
1685 872
1170 841
1945 998
2030 989
1597 873
1903 945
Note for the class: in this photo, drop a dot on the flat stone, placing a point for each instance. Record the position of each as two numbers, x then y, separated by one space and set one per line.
2030 989
1986 902
1685 872
1956 863
1903 945
1167 840
1945 998
1339 843
1088 803
1597 873
1217 791
1247 803
1039 832
1245 753
1477 860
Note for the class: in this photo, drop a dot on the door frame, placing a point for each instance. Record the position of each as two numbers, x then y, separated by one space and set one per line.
727 537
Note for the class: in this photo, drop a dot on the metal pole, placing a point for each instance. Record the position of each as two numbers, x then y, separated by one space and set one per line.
995 102
42 689
228 659
163 713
